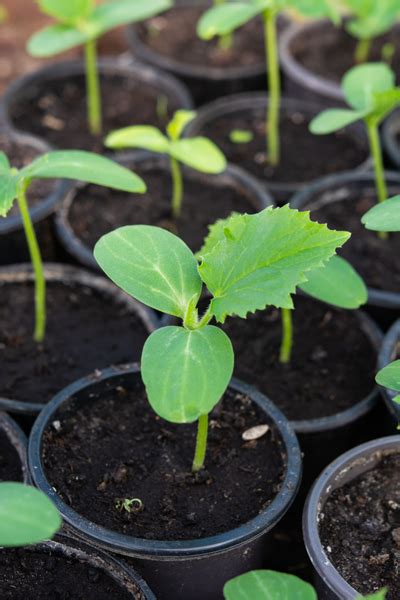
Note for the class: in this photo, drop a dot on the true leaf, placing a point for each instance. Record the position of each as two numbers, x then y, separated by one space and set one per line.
138 136
361 83
253 265
200 154
152 265
8 192
112 14
337 283
27 516
268 585
178 123
186 372
333 119
389 376
385 216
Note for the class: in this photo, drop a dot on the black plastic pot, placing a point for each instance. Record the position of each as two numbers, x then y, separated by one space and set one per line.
127 580
245 103
194 569
13 246
74 278
382 305
140 162
390 137
18 440
29 85
389 352
330 584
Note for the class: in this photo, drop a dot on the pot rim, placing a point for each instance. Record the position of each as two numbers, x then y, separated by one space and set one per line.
386 355
160 549
390 129
18 440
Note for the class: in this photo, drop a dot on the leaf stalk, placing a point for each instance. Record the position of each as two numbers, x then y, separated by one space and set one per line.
93 89
201 444
287 336
274 87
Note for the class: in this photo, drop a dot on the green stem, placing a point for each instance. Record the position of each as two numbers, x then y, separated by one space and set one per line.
201 444
362 51
34 251
287 336
177 188
93 88
376 152
274 87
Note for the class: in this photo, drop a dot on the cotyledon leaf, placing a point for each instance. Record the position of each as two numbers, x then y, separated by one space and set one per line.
268 585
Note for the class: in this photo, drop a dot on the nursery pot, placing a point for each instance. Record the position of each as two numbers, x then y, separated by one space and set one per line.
254 196
329 583
75 281
388 353
51 102
43 197
18 441
390 138
193 568
238 112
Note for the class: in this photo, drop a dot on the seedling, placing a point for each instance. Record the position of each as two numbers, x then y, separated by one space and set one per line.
258 260
389 377
198 153
27 516
81 22
228 16
241 136
70 164
129 505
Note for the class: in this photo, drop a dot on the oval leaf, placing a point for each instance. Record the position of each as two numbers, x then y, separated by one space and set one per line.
333 119
268 585
55 39
122 12
337 283
27 516
67 11
361 83
138 136
226 17
385 216
152 265
186 372
199 153
389 376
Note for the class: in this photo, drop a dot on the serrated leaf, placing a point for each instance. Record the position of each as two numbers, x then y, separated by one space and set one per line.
268 585
186 372
199 153
55 39
8 192
384 216
152 265
178 123
333 119
138 136
336 283
263 258
218 230
67 11
362 83
389 376
27 516
112 14
225 18
86 167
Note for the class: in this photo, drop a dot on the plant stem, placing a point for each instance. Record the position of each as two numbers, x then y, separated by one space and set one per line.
93 88
34 251
177 188
201 444
376 152
362 51
287 336
274 87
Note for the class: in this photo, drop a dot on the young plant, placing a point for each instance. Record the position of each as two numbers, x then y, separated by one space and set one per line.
27 516
389 377
225 18
81 22
70 164
258 260
198 153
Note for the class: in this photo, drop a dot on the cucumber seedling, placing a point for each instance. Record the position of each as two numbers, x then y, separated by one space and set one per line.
81 22
69 164
228 16
258 260
199 153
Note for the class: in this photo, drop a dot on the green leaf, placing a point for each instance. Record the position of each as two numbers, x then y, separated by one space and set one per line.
5 166
385 102
112 14
27 516
337 283
55 39
186 372
361 83
384 216
152 265
389 376
84 166
263 257
317 9
218 230
200 154
241 136
225 18
381 595
8 192
333 119
138 136
370 18
67 11
178 123
268 585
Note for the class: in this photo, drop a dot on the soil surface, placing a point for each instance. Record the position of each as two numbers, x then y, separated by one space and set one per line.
47 575
332 365
84 332
304 156
329 52
10 464
374 258
56 111
115 447
96 210
360 529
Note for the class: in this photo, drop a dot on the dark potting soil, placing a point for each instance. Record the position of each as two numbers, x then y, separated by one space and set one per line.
375 259
332 365
10 463
173 34
304 156
42 574
84 332
56 110
329 51
96 211
360 529
115 447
